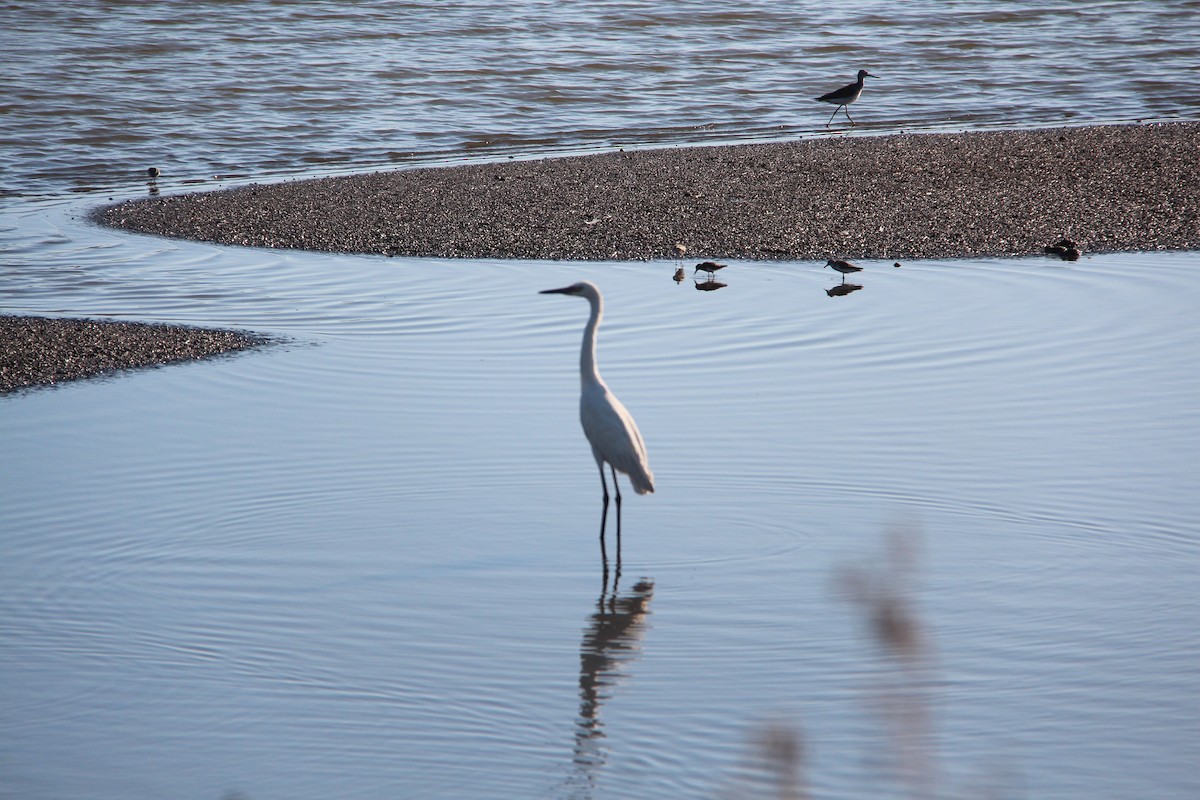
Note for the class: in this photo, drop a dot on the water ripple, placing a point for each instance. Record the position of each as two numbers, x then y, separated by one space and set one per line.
380 84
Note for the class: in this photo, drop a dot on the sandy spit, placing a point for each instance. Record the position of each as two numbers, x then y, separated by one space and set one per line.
39 351
1002 193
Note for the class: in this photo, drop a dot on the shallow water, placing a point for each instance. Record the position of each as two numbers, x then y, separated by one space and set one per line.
363 562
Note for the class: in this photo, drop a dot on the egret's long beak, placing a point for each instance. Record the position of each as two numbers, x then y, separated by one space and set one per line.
564 290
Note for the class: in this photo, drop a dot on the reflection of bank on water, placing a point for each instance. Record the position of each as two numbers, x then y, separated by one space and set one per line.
610 644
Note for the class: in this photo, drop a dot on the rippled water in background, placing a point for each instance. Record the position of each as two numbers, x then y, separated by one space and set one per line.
363 562
95 92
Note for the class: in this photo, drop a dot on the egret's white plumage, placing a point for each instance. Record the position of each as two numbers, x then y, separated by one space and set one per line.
608 425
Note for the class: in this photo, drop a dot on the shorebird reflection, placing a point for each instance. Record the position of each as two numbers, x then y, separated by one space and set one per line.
709 285
611 642
843 289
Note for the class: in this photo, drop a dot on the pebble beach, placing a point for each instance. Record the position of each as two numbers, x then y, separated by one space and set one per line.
1002 193
39 351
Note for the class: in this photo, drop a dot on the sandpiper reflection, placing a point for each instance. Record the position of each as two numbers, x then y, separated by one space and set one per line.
611 642
709 285
843 289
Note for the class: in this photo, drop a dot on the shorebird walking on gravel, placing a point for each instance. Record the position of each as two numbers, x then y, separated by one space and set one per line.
844 267
710 267
846 95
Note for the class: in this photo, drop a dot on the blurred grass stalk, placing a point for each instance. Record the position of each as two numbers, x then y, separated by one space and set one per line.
900 693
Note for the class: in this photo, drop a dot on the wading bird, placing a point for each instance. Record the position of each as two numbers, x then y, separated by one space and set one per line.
609 427
844 267
710 267
846 95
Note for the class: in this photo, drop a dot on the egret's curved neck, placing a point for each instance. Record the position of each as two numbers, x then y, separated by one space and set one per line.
587 353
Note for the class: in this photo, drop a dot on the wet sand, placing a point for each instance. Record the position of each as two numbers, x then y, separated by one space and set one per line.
39 351
1002 193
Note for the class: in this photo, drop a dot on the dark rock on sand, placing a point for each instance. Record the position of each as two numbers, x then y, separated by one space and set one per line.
37 351
992 193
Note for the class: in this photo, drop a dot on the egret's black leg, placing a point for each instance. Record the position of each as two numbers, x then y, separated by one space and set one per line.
617 488
604 520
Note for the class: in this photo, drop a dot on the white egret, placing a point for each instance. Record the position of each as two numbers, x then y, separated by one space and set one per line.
608 425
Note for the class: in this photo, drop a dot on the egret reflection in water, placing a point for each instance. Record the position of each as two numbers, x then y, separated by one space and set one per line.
611 642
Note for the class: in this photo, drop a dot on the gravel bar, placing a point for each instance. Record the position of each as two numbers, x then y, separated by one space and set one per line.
945 195
39 351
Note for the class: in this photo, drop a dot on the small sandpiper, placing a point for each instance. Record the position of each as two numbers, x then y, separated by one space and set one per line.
846 95
844 267
710 267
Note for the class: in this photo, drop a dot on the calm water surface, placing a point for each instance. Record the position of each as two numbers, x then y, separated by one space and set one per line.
363 562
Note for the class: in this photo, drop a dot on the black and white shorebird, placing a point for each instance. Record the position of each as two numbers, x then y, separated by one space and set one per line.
844 267
846 95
